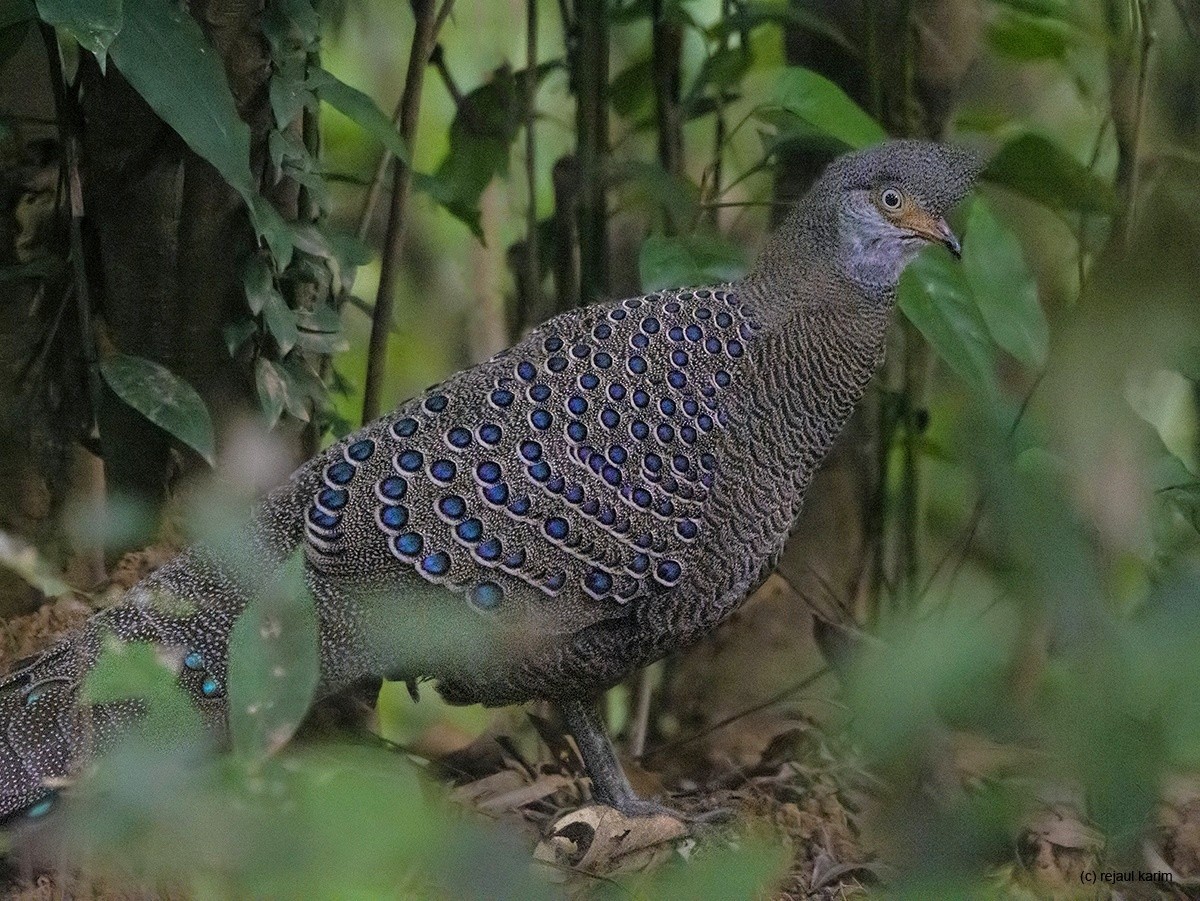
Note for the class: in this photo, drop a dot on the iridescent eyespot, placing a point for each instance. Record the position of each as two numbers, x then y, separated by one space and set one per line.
487 595
404 428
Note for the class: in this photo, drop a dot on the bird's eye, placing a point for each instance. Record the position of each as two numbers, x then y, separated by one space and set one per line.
891 199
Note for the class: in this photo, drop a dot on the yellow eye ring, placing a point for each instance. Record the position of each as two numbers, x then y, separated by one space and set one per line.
891 199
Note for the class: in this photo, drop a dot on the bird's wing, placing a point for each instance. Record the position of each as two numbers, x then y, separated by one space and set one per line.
579 460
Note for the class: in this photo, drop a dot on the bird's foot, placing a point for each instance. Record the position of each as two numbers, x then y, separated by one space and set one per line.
634 806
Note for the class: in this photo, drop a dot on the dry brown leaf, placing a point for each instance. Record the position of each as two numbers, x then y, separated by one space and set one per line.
543 787
602 841
479 791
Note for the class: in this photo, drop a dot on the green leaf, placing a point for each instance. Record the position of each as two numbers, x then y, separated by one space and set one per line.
632 89
164 398
138 670
303 16
259 283
748 16
751 871
936 299
295 392
272 228
274 664
1041 170
820 102
1004 288
237 333
93 23
1021 36
162 52
271 390
360 109
281 322
667 262
659 190
288 97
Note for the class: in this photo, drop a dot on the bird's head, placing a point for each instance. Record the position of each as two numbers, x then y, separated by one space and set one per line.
888 202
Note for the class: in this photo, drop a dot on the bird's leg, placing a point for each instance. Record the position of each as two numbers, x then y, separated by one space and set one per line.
610 785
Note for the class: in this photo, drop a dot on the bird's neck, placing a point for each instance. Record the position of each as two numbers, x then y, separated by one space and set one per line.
827 240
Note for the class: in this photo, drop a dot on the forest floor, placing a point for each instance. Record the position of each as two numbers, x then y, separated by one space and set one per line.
805 793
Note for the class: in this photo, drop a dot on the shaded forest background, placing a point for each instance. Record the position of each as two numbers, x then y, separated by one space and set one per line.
232 230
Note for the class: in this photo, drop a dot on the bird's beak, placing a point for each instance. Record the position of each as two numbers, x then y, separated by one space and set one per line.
948 238
935 230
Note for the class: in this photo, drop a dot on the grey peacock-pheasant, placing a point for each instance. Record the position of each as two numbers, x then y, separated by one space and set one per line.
537 526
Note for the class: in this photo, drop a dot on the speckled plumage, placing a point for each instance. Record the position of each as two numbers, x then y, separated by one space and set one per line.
537 526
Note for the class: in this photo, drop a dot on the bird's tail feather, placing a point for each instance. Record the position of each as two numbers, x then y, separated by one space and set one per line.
187 607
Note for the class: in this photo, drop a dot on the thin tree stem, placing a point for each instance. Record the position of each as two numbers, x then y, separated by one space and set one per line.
368 211
590 78
1139 115
666 44
428 20
68 129
532 261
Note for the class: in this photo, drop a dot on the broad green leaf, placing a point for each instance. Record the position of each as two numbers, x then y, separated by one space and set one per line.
1004 288
274 664
1019 35
936 299
288 98
128 670
481 135
1041 170
744 872
162 52
281 322
820 102
652 184
271 390
632 89
667 262
237 333
164 398
301 14
278 233
323 342
360 109
93 23
295 391
258 282
747 16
